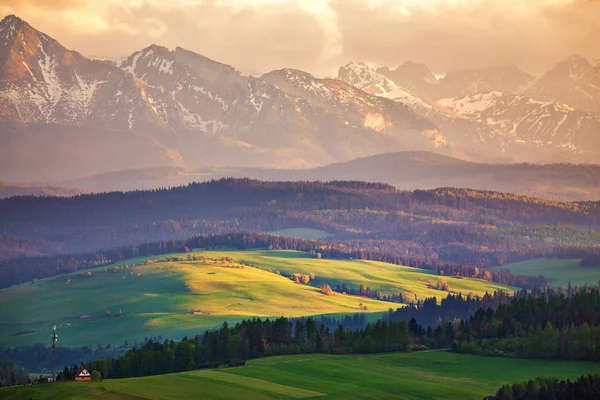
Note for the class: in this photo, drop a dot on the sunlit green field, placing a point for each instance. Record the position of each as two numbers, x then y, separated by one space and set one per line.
428 375
558 272
156 299
413 283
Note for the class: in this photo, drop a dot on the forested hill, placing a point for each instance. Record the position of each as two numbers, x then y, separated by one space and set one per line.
459 225
224 196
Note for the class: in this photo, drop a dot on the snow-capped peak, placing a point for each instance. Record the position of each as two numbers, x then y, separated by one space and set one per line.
359 74
9 26
364 77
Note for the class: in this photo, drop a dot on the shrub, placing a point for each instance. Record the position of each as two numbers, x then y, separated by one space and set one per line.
326 290
96 376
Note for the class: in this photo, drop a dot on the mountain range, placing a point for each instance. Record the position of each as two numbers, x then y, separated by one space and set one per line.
65 116
492 122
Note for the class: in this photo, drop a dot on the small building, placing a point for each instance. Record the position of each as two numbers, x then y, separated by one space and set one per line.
83 375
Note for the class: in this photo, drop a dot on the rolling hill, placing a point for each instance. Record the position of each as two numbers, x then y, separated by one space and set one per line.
155 298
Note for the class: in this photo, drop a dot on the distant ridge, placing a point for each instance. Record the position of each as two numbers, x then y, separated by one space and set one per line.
405 170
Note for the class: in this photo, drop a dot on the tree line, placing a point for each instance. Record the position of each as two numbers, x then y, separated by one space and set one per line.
254 338
11 374
540 325
549 327
543 388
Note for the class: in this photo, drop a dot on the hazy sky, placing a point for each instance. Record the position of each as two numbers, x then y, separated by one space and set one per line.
320 35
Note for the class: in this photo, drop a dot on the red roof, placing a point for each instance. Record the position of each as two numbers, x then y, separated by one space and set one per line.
82 373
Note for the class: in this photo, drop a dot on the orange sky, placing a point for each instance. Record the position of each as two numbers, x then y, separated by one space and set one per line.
320 35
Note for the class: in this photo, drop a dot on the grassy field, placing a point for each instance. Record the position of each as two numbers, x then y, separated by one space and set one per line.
428 375
302 233
413 283
558 272
156 299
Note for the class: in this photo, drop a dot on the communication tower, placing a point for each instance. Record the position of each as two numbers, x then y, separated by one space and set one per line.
54 340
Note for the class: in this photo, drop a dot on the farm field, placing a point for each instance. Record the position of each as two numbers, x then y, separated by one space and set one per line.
427 375
156 299
559 272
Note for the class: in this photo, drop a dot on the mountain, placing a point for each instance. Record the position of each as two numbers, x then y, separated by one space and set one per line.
303 122
43 82
506 79
419 79
574 81
415 77
357 109
66 116
62 114
480 139
405 170
543 123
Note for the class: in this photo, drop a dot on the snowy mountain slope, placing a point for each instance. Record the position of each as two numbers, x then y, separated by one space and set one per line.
358 109
476 137
543 123
574 81
192 93
42 82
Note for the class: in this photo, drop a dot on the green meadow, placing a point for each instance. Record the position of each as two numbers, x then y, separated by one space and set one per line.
156 298
427 375
559 272
413 283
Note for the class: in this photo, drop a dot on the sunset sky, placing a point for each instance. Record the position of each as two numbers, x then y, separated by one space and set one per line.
319 36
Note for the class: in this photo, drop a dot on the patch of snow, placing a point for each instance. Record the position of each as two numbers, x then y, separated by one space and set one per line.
86 91
48 69
130 119
472 105
31 73
165 67
131 68
257 104
195 121
212 97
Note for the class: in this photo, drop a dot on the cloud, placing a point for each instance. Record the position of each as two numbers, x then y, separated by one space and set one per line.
318 36
469 34
252 38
